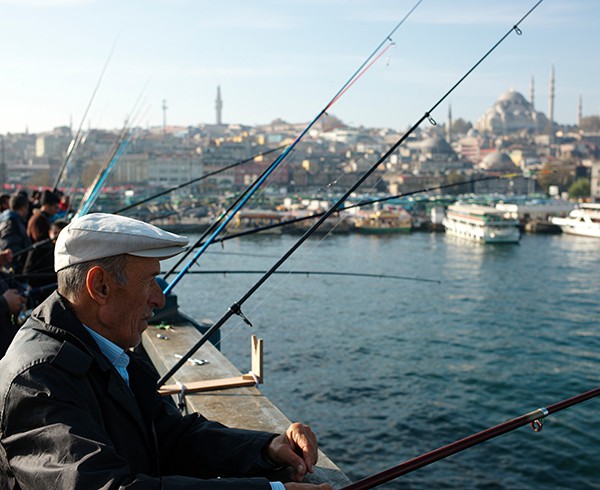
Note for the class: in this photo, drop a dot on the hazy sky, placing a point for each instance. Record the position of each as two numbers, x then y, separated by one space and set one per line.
286 58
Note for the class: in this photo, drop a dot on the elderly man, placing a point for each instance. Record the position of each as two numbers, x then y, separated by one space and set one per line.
79 410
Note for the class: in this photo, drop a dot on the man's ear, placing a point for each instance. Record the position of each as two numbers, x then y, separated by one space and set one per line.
98 284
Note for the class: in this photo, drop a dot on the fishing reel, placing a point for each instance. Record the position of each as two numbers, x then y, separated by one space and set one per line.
25 312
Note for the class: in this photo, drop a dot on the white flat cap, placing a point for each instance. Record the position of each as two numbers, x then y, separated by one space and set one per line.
100 235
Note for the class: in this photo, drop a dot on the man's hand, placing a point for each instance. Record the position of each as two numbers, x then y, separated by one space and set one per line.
297 448
6 257
14 300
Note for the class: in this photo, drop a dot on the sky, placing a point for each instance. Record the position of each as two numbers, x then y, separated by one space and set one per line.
95 63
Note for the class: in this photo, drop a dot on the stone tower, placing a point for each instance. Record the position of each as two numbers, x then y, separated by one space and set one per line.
219 106
551 102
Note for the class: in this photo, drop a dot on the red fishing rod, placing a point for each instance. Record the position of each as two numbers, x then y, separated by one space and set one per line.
228 216
534 418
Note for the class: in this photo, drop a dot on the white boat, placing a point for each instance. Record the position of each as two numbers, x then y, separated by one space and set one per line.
481 224
583 221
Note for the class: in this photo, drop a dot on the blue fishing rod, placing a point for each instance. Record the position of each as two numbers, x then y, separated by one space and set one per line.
214 225
88 202
373 57
125 137
236 307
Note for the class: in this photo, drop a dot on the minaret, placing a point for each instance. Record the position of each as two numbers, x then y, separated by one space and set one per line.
449 128
531 93
164 108
219 106
579 111
551 103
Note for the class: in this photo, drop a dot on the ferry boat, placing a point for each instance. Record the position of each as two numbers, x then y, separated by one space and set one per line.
483 224
384 222
582 221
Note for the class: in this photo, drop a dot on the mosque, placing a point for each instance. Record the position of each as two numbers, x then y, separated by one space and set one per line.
512 113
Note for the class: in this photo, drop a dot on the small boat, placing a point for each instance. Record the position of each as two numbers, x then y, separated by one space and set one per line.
583 221
253 219
384 222
483 224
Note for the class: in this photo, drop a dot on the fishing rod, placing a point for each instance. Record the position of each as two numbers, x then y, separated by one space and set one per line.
32 247
78 136
236 307
535 418
198 179
89 199
318 273
373 57
214 228
125 137
214 225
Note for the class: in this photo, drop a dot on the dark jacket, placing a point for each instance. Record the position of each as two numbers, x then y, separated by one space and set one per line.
8 327
13 235
68 420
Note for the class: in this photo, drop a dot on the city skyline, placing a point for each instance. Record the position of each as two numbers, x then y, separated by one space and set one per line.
285 61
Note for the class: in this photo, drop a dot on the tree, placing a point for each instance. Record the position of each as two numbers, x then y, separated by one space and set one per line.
580 188
460 126
560 174
454 178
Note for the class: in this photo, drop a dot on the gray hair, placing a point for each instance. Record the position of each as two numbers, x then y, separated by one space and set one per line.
71 280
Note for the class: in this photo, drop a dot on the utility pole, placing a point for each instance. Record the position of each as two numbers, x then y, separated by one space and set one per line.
164 108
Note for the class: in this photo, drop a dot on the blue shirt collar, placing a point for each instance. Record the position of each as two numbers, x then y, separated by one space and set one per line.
115 354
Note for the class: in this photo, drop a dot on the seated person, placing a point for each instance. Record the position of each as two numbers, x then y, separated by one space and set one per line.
79 410
12 302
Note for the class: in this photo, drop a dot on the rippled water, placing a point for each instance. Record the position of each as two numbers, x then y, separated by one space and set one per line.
385 370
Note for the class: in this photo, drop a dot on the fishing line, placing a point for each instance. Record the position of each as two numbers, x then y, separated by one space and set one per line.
260 181
308 273
359 204
203 177
77 139
236 307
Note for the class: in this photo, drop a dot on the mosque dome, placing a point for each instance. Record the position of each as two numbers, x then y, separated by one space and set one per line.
498 161
436 145
511 113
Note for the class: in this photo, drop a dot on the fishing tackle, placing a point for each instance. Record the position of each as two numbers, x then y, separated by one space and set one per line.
125 137
535 418
76 141
328 213
351 206
214 228
252 189
319 273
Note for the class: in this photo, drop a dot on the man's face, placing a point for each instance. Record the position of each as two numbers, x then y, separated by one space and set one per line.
51 209
130 306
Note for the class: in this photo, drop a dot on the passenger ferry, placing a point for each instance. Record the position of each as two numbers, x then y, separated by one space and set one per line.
384 222
481 224
583 221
